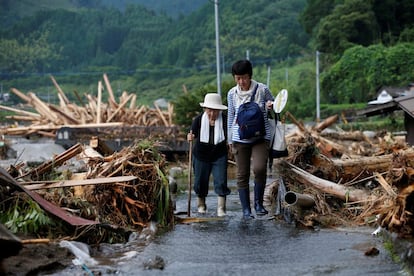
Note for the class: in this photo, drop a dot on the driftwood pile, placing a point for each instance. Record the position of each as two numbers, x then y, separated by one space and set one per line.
353 178
45 119
122 192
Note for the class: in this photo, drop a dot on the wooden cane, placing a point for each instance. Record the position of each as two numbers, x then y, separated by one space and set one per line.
190 163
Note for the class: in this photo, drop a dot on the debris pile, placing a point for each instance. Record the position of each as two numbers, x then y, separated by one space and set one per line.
44 119
353 178
104 198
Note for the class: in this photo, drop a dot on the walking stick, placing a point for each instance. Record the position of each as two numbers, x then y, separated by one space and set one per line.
190 167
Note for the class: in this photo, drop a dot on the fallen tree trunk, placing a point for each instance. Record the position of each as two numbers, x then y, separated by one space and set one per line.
339 191
326 123
350 168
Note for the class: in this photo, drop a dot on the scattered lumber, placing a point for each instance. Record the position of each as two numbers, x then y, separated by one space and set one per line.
47 118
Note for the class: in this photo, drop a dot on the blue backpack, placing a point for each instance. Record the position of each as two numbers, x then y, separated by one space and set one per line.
250 119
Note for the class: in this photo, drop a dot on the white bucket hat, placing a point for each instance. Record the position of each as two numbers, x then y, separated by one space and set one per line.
213 101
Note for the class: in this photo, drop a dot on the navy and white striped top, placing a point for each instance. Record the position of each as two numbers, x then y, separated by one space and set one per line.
263 95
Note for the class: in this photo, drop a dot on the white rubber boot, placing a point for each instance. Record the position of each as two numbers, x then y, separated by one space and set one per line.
201 205
221 206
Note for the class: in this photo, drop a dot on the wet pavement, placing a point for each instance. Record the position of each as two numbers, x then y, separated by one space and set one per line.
265 246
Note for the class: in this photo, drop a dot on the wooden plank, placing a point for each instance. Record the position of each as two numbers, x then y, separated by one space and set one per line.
99 103
22 112
170 113
119 108
21 118
112 101
161 115
21 95
63 98
133 102
71 183
68 119
43 109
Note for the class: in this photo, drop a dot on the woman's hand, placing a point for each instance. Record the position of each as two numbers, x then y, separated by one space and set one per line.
190 136
269 104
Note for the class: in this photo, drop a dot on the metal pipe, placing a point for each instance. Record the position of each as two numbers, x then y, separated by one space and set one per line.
302 200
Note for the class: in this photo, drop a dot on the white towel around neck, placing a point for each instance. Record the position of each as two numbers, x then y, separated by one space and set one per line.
218 129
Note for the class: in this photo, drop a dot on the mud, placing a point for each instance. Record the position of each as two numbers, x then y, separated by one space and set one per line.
37 259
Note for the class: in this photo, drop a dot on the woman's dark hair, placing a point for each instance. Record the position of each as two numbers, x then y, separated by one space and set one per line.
242 67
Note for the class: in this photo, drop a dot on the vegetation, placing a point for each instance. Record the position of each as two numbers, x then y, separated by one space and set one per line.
25 216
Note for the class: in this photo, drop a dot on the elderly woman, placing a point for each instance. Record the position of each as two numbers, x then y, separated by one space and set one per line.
210 152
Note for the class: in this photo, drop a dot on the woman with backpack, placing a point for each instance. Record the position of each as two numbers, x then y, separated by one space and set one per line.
210 152
249 134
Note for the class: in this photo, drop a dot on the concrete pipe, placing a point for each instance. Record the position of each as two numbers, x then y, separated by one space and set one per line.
301 200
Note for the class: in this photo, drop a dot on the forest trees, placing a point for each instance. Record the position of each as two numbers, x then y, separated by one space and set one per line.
27 55
365 44
359 73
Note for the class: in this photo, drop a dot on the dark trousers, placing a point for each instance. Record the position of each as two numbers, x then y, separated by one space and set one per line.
202 172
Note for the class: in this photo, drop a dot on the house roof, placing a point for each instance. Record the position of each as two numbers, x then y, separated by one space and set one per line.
378 109
406 103
393 91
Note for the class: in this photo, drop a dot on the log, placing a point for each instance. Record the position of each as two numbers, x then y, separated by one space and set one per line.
296 122
345 135
339 191
338 147
350 168
326 123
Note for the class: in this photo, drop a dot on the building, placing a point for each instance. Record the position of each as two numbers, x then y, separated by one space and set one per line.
390 100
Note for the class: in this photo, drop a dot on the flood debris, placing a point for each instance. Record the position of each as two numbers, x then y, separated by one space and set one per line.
113 196
354 179
44 118
119 121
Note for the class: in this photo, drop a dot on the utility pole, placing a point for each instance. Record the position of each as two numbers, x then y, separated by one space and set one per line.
216 3
318 115
223 68
287 77
268 76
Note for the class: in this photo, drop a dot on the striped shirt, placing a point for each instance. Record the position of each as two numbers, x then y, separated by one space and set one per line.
263 95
